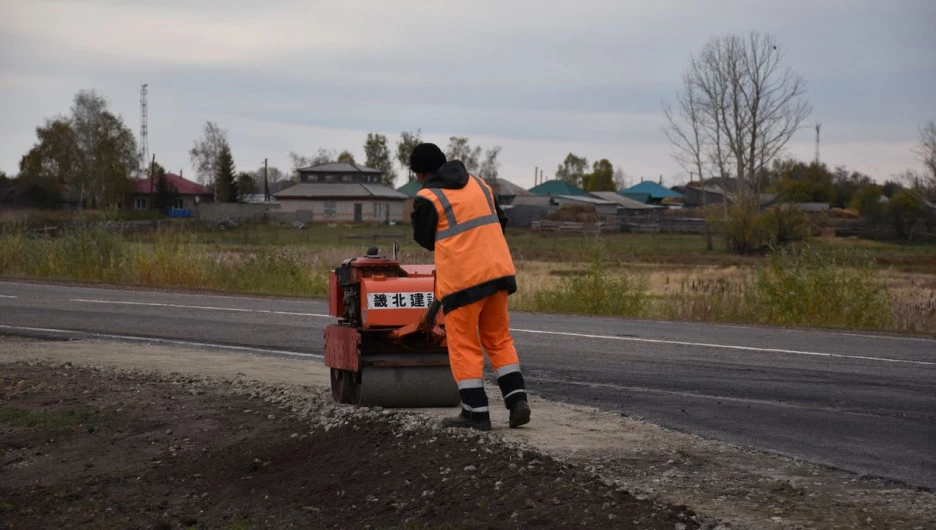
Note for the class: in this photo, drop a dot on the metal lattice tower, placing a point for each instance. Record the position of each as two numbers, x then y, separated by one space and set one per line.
144 132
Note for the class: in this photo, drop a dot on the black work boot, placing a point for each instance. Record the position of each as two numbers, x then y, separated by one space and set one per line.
519 414
467 420
512 387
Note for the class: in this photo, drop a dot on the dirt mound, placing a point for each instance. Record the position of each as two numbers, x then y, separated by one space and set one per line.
579 213
84 447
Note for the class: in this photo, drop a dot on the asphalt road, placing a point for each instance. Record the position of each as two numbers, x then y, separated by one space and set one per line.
857 401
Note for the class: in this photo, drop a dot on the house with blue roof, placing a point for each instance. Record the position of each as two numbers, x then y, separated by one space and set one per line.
649 192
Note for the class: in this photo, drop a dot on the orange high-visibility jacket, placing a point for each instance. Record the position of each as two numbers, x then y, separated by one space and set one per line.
472 259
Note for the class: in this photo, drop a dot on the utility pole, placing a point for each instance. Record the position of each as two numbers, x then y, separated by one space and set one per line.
152 188
818 126
266 183
144 129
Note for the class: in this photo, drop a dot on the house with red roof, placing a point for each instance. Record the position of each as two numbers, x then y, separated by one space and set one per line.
187 195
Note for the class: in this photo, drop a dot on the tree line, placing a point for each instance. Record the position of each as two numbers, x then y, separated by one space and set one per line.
90 157
737 107
86 157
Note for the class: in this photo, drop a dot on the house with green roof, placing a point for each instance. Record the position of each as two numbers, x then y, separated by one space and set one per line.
557 187
504 190
410 188
649 192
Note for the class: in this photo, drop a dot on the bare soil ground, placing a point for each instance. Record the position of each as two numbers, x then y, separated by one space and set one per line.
118 435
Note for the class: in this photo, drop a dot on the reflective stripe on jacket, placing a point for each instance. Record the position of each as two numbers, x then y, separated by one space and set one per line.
471 255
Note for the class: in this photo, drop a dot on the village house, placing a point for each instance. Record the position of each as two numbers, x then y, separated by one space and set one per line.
696 194
504 191
342 192
649 192
186 195
557 187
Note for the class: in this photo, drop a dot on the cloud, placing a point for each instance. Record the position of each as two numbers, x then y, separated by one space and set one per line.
140 33
540 78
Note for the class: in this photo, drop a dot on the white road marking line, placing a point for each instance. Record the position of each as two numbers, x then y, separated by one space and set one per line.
165 341
798 330
7 296
209 308
723 346
562 333
711 397
667 322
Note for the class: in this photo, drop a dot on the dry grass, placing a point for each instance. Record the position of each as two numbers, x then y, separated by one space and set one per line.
720 294
661 276
913 299
34 216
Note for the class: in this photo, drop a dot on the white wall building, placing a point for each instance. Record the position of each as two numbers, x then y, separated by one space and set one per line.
342 193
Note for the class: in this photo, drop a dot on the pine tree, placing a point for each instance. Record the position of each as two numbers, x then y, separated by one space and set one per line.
224 181
164 193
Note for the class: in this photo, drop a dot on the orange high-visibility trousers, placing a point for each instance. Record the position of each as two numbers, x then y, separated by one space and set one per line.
486 324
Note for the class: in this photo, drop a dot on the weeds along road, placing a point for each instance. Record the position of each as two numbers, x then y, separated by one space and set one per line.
861 402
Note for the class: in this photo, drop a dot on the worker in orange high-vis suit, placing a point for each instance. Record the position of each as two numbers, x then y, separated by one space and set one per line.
456 216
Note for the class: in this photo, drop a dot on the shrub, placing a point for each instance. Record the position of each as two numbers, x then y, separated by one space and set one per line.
799 287
749 230
742 235
782 223
904 210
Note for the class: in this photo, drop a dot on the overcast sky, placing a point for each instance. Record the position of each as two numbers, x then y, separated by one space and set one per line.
538 78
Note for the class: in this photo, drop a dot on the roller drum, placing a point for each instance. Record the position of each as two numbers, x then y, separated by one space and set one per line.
407 387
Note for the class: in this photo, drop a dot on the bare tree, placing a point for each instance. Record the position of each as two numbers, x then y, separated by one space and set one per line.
459 149
572 170
685 129
273 175
926 150
490 165
298 161
738 108
377 156
206 152
621 179
322 156
405 145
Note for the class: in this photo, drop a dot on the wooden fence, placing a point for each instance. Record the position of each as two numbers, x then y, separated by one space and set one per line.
635 224
575 227
665 224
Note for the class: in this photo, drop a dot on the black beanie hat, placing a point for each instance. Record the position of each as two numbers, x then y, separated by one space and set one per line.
426 158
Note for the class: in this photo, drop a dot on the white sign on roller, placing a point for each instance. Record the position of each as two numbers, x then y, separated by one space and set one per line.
398 300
